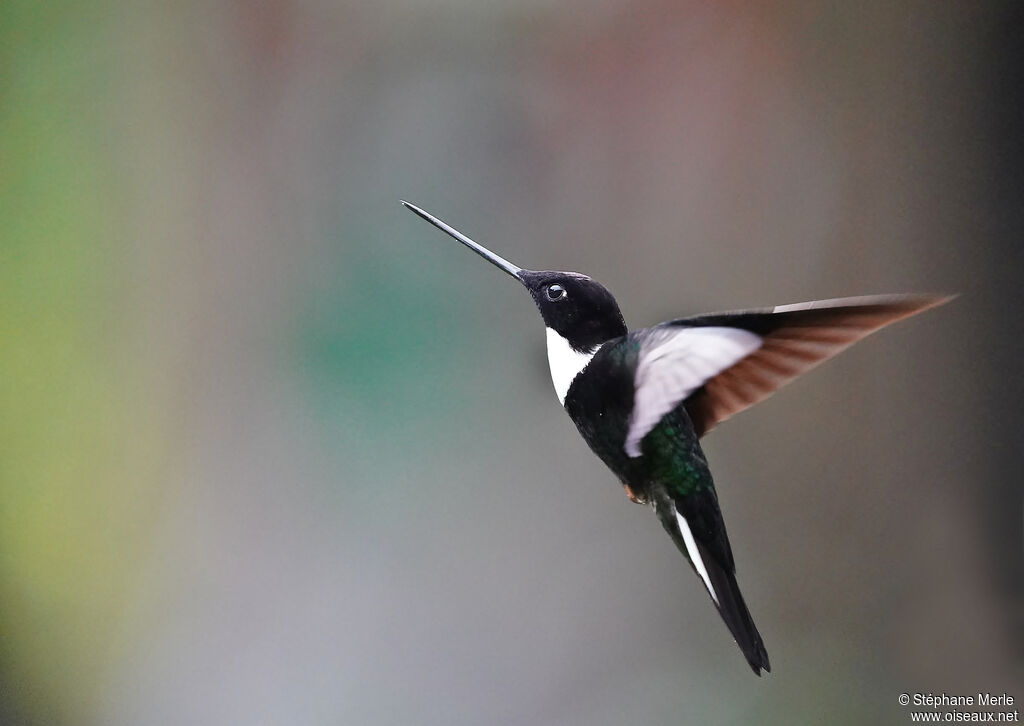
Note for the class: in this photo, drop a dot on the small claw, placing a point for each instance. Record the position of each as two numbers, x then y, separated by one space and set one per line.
632 496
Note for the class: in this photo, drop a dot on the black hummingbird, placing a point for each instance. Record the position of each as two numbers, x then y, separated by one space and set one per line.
643 399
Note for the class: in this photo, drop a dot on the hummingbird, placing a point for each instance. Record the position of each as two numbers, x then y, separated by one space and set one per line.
643 399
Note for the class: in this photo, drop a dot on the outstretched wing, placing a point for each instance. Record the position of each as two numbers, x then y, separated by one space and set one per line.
722 363
673 362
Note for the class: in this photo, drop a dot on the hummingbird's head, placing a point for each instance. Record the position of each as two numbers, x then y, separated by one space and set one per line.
579 309
576 307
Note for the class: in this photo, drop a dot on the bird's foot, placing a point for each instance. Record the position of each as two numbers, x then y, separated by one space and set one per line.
632 496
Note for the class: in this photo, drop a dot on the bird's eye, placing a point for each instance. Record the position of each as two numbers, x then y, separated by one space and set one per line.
556 293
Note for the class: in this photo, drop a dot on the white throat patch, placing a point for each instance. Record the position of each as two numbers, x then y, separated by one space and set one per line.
565 363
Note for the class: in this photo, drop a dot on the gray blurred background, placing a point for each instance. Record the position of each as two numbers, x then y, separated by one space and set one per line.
276 451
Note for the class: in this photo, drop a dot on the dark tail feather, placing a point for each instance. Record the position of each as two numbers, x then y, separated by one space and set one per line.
734 612
695 524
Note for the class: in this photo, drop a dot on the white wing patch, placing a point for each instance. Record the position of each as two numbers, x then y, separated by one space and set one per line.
691 549
674 366
565 363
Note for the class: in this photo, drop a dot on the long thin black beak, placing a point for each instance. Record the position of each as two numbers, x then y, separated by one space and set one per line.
494 259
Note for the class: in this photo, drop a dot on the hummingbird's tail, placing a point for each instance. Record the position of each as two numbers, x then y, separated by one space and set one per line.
695 524
734 612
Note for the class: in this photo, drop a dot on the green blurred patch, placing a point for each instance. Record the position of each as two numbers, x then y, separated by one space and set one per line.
75 447
379 349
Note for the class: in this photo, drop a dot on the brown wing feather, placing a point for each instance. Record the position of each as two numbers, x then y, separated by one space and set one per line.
796 339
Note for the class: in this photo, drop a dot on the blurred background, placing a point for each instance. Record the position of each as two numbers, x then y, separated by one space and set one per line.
275 451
